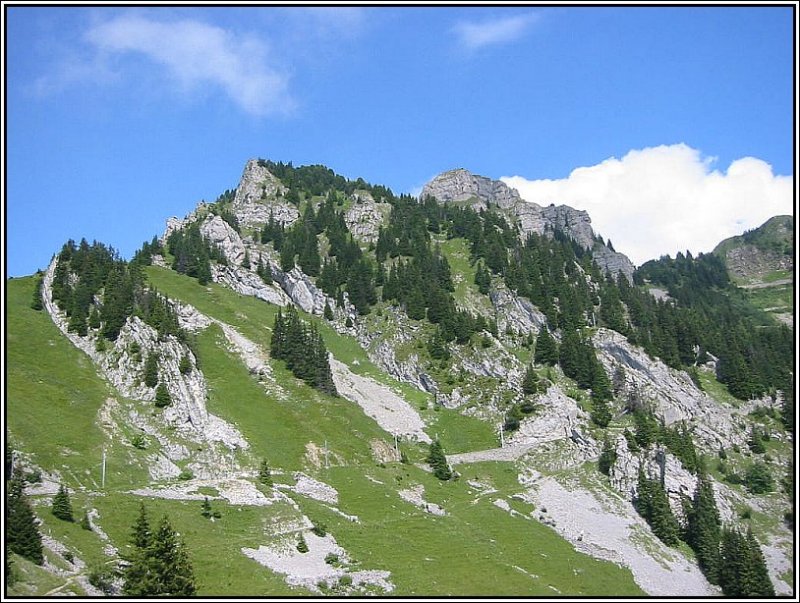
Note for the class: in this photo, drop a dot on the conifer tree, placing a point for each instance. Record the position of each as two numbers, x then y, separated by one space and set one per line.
22 533
327 313
703 528
185 365
438 461
151 370
264 474
173 573
546 348
530 383
162 396
36 300
302 545
760 585
653 505
62 508
608 457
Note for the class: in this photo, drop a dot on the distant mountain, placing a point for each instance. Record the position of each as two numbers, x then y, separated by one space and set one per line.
760 251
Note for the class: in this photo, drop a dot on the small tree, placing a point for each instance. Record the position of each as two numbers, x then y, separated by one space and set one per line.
607 457
327 312
207 511
162 396
302 545
264 474
758 478
22 533
151 370
185 365
438 461
36 301
62 508
530 383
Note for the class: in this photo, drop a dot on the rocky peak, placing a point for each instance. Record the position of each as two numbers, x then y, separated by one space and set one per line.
461 185
257 196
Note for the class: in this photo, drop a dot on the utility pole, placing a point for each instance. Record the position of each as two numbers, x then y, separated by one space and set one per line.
103 476
395 443
502 437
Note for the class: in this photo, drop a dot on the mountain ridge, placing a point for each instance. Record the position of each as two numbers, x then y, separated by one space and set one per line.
455 390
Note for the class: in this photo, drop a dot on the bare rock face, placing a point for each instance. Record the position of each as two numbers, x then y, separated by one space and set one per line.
458 186
672 393
515 312
302 291
218 232
249 283
560 417
365 217
256 198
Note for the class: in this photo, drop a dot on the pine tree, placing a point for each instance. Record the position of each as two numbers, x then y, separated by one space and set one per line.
703 528
302 545
22 533
546 348
162 396
62 508
653 505
608 457
327 313
151 370
173 573
438 461
530 383
36 300
760 585
185 365
264 474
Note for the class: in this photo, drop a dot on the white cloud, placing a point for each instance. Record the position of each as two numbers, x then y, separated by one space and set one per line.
666 199
476 35
196 54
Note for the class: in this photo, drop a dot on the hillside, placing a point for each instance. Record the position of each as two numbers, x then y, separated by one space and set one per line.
511 335
762 262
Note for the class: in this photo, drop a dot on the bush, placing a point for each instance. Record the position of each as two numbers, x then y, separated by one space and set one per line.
139 441
319 529
332 559
185 475
102 578
345 580
302 545
758 479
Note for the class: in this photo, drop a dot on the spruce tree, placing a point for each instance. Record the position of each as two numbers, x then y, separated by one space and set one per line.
22 533
173 573
264 474
62 508
546 348
530 383
703 528
185 365
162 396
327 313
302 545
760 585
608 457
438 461
36 300
151 370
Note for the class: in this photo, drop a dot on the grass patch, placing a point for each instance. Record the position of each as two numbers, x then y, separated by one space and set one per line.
460 433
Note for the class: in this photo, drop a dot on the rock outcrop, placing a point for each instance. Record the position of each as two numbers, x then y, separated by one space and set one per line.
479 192
258 196
218 232
365 216
672 393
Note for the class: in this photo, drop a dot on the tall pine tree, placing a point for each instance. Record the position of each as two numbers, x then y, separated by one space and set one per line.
22 533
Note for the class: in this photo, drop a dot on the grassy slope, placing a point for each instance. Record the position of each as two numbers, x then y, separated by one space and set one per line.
418 548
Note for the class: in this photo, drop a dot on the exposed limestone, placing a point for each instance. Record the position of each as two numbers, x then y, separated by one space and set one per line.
221 234
672 393
302 291
309 569
256 198
607 527
515 312
187 413
392 413
416 496
365 217
248 283
407 371
458 186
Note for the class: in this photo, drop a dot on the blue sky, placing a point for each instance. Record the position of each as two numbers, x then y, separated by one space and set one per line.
118 118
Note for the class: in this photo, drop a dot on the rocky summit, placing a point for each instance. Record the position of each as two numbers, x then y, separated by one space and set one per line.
314 386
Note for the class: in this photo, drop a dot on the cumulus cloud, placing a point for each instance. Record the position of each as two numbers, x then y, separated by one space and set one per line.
477 35
198 54
666 199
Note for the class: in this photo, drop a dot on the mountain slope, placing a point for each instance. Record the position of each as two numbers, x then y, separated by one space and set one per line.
460 303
